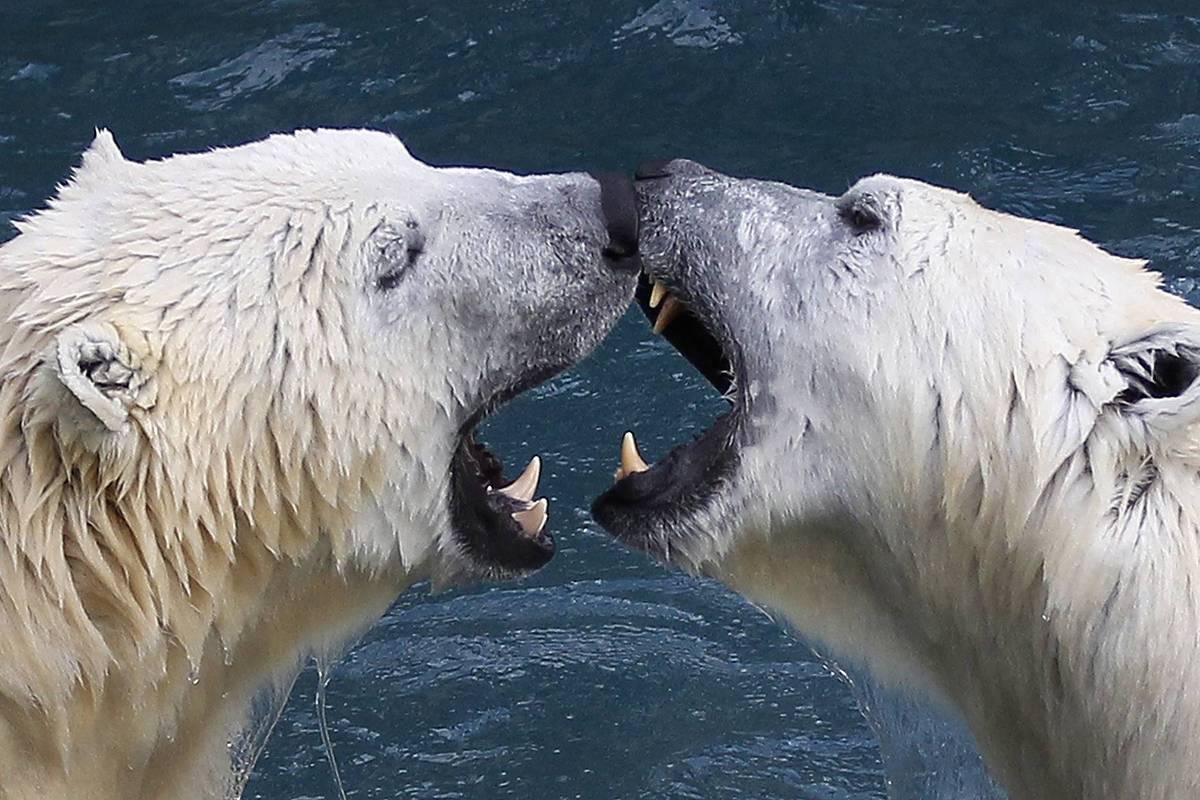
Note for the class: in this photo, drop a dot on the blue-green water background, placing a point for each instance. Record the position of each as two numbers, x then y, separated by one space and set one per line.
604 677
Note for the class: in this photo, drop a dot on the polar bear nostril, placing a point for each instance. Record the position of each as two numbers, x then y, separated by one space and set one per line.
651 170
670 168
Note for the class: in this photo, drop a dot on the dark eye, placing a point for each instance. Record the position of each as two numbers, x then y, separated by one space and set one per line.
860 213
398 253
390 279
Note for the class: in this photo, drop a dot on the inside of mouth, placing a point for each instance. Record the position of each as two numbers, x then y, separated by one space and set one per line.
488 466
671 318
498 521
691 465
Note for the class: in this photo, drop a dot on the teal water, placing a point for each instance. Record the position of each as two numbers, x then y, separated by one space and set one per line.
604 677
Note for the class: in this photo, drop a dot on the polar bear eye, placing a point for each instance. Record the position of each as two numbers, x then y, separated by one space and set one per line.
392 277
860 212
397 255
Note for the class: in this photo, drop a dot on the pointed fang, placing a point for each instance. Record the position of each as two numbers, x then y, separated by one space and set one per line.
657 293
533 519
525 485
631 459
671 309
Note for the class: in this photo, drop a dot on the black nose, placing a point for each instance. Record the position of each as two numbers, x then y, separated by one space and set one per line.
618 204
649 170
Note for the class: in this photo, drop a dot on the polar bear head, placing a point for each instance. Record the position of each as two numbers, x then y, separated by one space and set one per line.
289 343
960 445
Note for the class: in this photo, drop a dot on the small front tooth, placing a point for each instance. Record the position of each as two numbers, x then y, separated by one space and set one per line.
657 293
631 459
533 519
524 486
669 311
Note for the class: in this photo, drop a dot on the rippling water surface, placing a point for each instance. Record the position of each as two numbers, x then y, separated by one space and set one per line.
604 677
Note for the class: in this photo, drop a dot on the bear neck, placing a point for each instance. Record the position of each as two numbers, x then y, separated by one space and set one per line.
162 631
1054 608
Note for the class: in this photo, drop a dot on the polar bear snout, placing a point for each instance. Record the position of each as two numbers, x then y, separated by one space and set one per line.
666 507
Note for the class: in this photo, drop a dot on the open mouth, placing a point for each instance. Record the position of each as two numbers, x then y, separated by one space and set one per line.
649 504
497 521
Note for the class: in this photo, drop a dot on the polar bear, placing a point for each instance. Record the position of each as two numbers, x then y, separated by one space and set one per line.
962 452
237 396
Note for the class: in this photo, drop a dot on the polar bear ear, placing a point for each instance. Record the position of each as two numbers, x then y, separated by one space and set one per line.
99 369
1159 374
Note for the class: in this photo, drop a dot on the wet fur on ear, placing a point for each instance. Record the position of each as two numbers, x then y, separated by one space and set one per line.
97 366
1159 373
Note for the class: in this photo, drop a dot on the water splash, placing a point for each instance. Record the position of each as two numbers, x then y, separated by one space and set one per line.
687 23
259 69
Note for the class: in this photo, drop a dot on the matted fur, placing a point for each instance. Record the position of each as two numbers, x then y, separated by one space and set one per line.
950 472
276 469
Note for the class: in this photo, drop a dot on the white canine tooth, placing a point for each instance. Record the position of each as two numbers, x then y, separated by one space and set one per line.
533 519
657 293
525 485
669 311
631 459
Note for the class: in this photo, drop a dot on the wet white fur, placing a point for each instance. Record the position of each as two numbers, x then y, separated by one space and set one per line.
946 491
269 481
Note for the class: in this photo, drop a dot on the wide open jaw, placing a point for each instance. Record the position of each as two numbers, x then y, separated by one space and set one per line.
498 526
651 506
497 522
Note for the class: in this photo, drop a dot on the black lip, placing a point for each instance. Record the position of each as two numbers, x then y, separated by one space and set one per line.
647 510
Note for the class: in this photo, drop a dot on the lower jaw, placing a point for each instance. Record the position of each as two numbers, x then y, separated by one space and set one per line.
660 511
492 545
